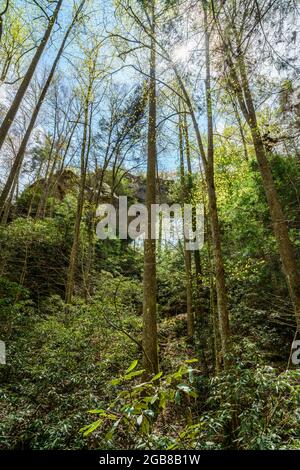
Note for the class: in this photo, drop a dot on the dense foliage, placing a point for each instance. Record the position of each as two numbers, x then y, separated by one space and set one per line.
124 343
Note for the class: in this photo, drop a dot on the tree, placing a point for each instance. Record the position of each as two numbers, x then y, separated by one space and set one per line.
207 158
187 253
2 13
234 46
215 227
20 155
91 69
13 109
150 352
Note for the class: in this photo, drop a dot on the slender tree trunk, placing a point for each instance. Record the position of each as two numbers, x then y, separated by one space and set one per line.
208 163
215 226
37 177
238 79
49 185
80 204
222 300
11 113
9 201
197 258
43 199
199 316
69 141
84 157
150 352
90 254
212 307
90 225
20 155
285 247
213 213
187 253
240 125
160 216
2 13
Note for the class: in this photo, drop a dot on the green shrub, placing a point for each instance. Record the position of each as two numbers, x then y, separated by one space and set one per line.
59 363
129 420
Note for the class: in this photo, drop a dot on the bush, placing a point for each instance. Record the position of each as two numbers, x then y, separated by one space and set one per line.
59 364
129 420
251 406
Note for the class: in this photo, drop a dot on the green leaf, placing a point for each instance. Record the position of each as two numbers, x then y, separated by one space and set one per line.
112 417
163 401
134 374
98 412
91 427
157 376
132 366
129 410
115 381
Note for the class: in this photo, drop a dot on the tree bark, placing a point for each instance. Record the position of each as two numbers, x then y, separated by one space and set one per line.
80 202
20 155
222 300
8 204
150 352
208 163
11 113
197 258
187 253
286 251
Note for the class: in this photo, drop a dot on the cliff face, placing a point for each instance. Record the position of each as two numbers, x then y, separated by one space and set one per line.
67 183
137 185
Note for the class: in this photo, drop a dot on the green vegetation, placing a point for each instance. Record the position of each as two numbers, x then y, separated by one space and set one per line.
143 344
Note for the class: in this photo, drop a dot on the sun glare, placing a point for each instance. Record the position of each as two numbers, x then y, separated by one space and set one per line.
182 53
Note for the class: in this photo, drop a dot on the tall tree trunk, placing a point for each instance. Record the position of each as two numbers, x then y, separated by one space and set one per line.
215 226
80 204
150 352
199 314
280 228
11 113
186 252
42 201
240 125
213 214
212 308
8 204
90 225
49 185
84 157
160 216
20 155
197 258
